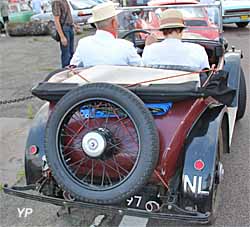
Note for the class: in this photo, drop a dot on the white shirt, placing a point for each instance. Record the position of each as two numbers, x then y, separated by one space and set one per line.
104 49
37 6
175 52
207 1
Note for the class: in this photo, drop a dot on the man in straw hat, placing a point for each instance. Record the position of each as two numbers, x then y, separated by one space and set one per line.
103 47
172 51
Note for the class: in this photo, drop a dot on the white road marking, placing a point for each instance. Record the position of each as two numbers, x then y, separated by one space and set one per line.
130 221
98 220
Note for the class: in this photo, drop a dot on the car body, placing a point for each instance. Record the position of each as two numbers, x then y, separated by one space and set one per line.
237 12
81 11
18 13
148 142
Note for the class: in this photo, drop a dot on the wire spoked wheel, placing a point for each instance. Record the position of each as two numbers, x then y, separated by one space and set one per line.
101 143
98 144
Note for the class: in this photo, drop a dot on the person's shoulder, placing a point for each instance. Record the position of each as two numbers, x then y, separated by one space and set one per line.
195 46
154 46
85 39
124 42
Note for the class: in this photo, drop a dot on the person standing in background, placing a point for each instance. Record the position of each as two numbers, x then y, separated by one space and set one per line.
4 10
64 26
37 6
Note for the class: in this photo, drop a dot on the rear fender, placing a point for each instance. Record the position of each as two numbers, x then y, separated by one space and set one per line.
201 144
34 162
232 66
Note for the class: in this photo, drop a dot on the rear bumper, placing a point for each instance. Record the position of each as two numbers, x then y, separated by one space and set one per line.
175 214
228 19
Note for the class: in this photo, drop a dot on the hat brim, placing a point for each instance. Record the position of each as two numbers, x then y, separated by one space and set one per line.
166 26
93 20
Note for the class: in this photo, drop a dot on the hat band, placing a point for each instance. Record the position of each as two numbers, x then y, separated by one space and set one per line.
172 20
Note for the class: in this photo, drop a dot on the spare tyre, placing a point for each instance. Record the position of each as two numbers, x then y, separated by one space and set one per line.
101 143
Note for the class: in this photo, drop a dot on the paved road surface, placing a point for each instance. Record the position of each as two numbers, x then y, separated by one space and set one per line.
24 62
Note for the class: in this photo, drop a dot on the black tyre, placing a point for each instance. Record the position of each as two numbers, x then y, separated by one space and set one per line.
242 99
101 143
242 24
215 196
1 26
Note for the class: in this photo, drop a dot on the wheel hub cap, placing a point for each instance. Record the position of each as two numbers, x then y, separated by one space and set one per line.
94 144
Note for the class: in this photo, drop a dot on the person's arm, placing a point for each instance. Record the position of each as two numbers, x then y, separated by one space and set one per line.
60 31
76 60
146 55
57 13
204 61
133 57
152 38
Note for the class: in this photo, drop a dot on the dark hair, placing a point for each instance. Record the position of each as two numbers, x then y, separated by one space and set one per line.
168 31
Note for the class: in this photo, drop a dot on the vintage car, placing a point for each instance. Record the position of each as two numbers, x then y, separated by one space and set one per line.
237 12
197 19
139 140
81 11
18 13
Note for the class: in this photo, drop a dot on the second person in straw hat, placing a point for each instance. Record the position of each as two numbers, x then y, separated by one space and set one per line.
104 47
172 51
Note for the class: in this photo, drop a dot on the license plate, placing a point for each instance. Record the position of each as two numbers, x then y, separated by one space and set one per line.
143 203
244 17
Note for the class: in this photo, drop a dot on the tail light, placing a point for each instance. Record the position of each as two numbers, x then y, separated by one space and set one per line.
81 14
33 149
199 165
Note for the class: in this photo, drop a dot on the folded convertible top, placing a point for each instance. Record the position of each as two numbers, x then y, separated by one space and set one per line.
153 93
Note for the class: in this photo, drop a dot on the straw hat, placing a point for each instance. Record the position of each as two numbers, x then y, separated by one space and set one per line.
103 11
171 18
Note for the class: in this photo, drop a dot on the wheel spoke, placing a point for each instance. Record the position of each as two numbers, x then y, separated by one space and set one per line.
89 171
114 160
76 162
107 165
79 165
103 173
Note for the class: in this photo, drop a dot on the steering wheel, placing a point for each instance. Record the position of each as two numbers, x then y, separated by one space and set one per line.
133 32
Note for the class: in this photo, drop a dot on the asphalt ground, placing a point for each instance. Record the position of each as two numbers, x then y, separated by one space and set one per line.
24 61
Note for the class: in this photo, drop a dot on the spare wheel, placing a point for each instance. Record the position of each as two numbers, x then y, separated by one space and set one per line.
101 143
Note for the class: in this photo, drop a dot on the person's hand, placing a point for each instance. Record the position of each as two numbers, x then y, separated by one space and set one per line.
150 39
70 66
77 28
64 41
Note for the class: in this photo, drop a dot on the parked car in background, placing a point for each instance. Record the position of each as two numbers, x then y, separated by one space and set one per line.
199 21
235 11
18 13
81 11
